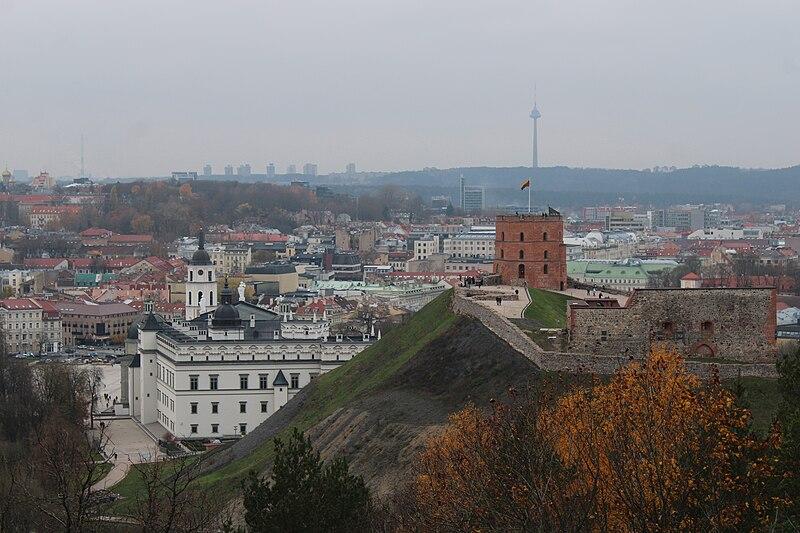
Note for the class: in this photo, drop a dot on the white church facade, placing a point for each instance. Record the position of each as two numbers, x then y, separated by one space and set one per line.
229 365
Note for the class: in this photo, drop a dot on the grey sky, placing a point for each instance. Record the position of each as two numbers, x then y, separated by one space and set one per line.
166 85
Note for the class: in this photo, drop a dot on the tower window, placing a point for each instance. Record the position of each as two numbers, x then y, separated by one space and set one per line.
544 236
544 269
521 271
521 236
545 254
191 275
522 254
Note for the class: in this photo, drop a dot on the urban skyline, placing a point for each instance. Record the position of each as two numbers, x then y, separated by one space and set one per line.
690 106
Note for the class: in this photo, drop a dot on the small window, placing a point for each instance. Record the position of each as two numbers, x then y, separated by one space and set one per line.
544 269
263 407
193 408
243 429
521 237
545 254
295 380
214 428
707 327
501 254
193 382
214 408
522 254
502 235
544 236
242 407
194 428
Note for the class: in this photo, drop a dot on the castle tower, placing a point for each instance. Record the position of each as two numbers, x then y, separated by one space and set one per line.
201 283
529 250
535 115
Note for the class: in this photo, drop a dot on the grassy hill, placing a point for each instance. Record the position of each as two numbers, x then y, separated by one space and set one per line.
377 409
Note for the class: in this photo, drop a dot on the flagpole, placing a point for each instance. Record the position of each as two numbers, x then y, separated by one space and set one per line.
530 186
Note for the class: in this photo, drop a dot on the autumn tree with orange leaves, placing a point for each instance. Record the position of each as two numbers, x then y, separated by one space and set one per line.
656 448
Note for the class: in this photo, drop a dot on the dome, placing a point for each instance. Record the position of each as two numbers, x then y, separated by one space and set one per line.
201 257
6 173
226 315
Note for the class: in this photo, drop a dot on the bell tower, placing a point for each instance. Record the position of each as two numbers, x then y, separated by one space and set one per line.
201 283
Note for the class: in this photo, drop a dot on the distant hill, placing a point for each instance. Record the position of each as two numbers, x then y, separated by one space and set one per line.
577 185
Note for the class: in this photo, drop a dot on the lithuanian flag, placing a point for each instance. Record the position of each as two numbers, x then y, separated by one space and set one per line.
525 185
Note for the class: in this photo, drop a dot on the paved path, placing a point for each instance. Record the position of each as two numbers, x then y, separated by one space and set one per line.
581 295
131 445
508 308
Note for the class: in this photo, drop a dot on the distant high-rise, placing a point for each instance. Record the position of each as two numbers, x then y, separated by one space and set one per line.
20 175
310 169
291 169
244 169
473 199
535 114
271 170
207 170
351 168
462 183
229 170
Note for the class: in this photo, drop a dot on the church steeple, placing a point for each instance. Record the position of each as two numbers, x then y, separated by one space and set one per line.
201 282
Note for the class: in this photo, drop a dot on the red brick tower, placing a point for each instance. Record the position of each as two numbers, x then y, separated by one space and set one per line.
530 248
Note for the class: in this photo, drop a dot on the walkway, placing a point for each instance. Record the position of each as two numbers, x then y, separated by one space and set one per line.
127 444
514 302
580 294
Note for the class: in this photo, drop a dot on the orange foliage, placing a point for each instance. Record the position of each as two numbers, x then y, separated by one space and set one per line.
655 448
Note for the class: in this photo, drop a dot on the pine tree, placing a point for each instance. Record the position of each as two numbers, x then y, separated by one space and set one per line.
305 494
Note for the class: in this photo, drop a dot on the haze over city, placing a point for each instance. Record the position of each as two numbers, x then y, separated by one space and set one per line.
392 86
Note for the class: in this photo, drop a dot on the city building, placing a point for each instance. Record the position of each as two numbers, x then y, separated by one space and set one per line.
479 245
230 258
43 181
310 169
207 170
229 170
273 278
626 221
351 169
625 275
244 169
270 170
529 249
473 199
51 216
228 370
425 247
94 323
291 169
28 328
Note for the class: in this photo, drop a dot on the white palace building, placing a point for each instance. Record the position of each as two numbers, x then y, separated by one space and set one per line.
227 366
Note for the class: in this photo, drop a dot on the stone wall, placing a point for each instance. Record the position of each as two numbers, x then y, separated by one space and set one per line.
585 362
732 324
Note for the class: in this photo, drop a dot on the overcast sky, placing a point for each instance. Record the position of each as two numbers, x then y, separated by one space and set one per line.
162 85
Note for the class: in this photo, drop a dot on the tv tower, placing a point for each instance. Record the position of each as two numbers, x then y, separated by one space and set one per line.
535 116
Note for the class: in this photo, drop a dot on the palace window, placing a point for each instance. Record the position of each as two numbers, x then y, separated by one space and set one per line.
214 428
193 381
213 382
214 408
242 407
243 429
263 381
193 408
295 381
243 378
263 407
194 428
